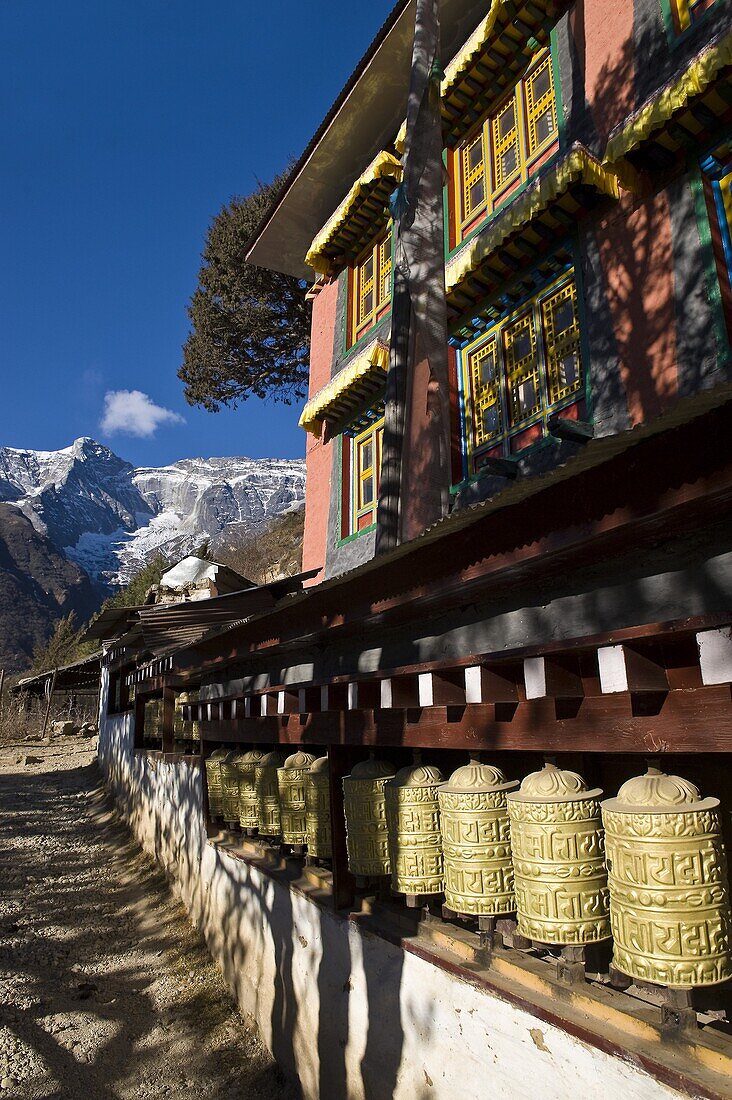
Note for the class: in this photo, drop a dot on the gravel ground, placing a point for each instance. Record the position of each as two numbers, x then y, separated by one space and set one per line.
105 989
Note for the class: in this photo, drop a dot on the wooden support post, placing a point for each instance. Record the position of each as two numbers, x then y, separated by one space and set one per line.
52 688
571 965
486 937
168 734
341 760
677 1012
139 721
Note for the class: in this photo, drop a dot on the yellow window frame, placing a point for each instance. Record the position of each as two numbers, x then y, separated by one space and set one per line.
362 474
377 283
523 138
561 346
536 107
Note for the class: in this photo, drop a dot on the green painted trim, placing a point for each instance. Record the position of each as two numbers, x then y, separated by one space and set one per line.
356 535
514 194
339 506
711 277
557 78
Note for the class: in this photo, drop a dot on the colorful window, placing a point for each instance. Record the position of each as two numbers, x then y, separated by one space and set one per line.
684 13
371 284
362 471
524 367
508 145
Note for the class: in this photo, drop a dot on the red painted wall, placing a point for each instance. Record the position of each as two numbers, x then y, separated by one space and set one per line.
636 251
635 240
319 455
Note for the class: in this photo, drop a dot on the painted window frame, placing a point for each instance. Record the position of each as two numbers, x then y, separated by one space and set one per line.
379 255
513 415
681 16
522 138
357 514
715 185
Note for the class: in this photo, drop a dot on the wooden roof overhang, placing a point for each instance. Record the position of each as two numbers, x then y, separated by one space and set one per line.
523 236
493 59
685 115
363 119
616 496
358 219
352 390
80 675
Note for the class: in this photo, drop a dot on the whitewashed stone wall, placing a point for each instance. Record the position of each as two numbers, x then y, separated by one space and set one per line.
353 1016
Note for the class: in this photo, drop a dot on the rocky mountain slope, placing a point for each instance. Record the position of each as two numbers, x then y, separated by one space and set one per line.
110 518
37 586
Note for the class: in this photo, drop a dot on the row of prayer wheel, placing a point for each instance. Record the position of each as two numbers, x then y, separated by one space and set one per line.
660 889
287 798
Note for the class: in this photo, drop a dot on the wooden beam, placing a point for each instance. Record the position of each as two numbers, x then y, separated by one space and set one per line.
546 677
485 685
697 720
715 655
624 669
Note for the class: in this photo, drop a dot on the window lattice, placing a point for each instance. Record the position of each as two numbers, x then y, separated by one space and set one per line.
562 340
484 370
372 283
473 169
541 108
505 139
522 368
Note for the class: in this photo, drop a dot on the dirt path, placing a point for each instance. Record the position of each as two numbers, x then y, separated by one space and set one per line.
105 989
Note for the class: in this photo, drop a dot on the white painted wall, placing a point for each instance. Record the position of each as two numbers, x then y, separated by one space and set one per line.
353 1016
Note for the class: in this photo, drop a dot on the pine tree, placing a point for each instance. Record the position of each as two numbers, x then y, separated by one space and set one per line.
62 648
250 326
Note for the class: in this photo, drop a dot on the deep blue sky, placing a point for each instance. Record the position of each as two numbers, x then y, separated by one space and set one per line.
126 124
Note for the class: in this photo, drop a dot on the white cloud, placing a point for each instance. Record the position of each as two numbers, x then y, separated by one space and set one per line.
131 412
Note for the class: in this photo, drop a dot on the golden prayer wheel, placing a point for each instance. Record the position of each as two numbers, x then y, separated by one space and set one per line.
153 728
413 818
185 728
558 859
268 795
367 837
213 781
248 806
291 782
230 788
317 809
476 841
667 871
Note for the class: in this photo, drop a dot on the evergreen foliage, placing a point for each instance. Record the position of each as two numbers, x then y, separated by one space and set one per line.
134 594
250 327
64 647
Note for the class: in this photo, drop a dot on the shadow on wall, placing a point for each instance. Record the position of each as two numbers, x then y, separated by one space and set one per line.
653 267
326 995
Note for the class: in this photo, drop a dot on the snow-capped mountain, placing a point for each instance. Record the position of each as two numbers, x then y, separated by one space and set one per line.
110 518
